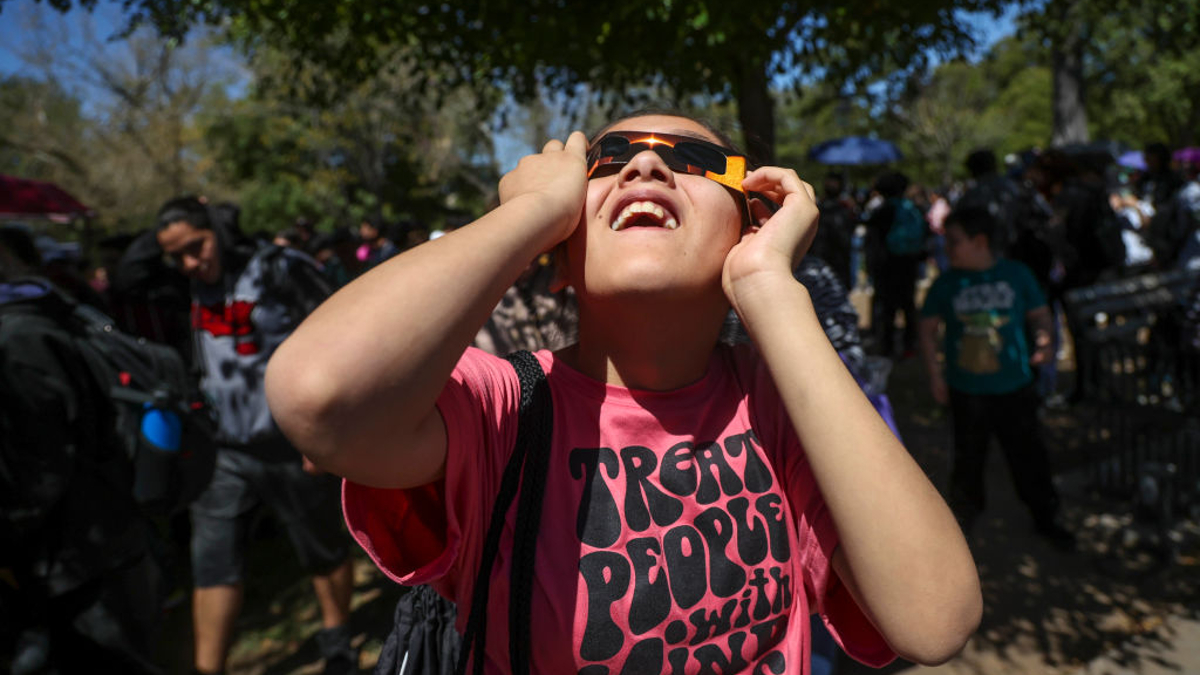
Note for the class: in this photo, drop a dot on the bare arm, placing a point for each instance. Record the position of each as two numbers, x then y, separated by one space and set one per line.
355 387
1041 324
902 554
927 342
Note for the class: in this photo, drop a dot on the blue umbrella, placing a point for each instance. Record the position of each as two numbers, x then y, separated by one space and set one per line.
1134 159
853 150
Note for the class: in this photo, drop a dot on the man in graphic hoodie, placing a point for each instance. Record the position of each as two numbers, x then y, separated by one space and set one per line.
246 299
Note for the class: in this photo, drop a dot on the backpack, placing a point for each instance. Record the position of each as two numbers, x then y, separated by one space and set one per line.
163 425
423 640
906 236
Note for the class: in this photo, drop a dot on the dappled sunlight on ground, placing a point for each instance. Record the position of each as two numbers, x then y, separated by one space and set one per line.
1114 600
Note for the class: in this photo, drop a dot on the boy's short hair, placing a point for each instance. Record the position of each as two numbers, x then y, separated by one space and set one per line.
973 221
186 209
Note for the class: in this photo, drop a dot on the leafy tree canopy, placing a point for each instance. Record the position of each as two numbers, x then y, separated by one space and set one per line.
379 148
722 49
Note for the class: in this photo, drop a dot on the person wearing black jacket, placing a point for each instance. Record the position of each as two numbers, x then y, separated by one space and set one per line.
79 591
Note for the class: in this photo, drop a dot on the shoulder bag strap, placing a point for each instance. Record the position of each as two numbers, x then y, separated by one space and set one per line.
527 466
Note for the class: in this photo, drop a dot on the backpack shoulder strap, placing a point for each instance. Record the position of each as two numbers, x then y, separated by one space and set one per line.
526 468
534 433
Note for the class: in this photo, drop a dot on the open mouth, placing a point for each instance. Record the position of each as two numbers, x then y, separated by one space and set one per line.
644 214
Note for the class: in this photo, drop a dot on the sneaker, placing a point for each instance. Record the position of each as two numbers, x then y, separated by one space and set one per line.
340 657
1056 401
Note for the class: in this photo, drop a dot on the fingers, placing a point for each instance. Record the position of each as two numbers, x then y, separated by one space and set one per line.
577 143
760 212
777 183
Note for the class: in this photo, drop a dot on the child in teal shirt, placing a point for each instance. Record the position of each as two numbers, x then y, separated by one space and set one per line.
988 306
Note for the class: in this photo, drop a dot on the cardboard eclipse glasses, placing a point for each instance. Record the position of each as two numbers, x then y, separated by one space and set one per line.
682 154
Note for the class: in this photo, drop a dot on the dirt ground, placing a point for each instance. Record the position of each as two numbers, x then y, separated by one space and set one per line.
1103 609
1107 607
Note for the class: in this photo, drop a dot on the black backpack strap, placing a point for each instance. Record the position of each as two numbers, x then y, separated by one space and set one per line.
536 427
527 466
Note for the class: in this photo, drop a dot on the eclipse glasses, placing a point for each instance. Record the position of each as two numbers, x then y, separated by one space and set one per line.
681 154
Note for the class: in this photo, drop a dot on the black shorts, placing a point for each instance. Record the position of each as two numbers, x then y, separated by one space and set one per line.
308 506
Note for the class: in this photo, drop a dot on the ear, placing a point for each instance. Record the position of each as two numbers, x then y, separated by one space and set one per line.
558 260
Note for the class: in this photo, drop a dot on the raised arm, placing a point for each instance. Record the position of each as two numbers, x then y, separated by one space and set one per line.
354 388
902 554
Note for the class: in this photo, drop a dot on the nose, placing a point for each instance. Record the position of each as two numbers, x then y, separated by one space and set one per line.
647 166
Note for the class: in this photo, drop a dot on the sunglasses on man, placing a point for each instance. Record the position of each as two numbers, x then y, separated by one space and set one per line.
681 154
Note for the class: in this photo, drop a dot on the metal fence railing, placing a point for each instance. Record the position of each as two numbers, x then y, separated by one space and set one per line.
1141 382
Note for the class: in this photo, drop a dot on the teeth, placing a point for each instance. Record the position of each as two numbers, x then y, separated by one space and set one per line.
644 208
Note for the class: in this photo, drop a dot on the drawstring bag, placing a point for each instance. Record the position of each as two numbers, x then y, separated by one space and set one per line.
424 640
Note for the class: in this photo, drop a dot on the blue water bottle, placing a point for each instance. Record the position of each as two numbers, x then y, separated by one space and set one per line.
161 427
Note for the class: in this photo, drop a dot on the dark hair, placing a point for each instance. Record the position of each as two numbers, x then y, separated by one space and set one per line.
981 162
187 209
834 182
973 221
376 220
235 248
1055 166
18 241
339 235
891 184
1159 150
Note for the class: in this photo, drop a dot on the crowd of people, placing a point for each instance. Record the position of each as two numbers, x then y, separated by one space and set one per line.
1072 217
682 523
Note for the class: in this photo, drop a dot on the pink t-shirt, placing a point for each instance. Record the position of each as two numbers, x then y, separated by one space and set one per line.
682 531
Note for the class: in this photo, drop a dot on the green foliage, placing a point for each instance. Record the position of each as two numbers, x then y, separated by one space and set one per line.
135 145
1145 77
378 147
40 125
723 50
1021 111
817 114
1141 68
367 106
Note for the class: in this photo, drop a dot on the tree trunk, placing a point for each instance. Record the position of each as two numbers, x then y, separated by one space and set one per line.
1070 111
756 112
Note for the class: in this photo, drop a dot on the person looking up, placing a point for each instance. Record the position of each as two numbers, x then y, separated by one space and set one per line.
701 500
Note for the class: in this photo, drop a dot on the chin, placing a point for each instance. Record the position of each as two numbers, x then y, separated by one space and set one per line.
653 284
